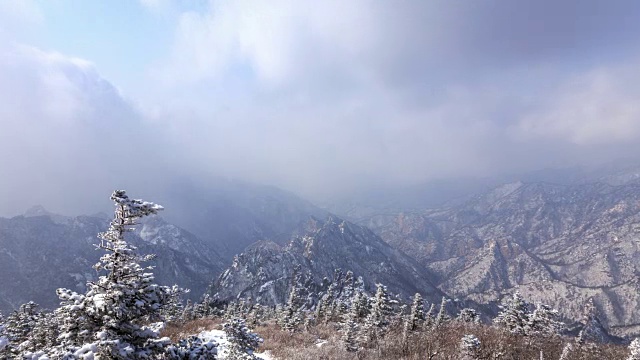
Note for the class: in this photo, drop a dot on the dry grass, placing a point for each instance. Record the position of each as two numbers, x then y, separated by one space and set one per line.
177 331
442 343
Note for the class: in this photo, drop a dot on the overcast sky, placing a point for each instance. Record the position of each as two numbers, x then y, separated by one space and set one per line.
317 97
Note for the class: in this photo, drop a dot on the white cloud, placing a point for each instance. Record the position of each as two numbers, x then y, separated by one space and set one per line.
66 135
601 106
322 97
318 96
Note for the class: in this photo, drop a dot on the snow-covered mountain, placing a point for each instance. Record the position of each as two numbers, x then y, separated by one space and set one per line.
559 244
40 252
264 271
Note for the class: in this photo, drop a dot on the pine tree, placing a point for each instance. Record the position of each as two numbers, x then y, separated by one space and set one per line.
592 329
188 312
634 350
469 316
325 306
348 285
44 334
543 321
232 310
173 308
417 315
193 348
378 319
566 352
513 315
350 328
19 327
358 285
429 319
242 342
256 315
292 316
442 317
469 347
4 339
114 318
361 302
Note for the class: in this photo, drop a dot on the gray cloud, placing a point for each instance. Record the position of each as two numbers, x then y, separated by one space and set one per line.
327 97
67 137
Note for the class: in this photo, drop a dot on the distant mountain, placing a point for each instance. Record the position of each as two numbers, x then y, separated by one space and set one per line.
40 252
263 272
231 215
559 244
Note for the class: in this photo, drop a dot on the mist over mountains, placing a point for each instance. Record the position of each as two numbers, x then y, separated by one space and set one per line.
560 243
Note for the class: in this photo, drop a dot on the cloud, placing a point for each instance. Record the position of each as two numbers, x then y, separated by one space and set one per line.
327 97
597 107
67 137
285 40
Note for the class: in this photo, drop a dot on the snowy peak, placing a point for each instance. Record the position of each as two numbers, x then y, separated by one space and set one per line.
39 210
557 244
264 271
40 252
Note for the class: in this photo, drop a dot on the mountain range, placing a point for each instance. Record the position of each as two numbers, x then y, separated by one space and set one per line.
560 243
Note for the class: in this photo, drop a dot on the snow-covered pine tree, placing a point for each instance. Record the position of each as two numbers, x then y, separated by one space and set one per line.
399 318
350 329
469 347
188 312
44 334
215 306
256 315
417 316
332 300
469 316
114 318
242 342
325 307
348 285
232 310
429 317
566 352
378 319
18 328
173 308
634 350
193 348
443 316
4 339
361 302
592 329
292 316
358 285
513 314
543 321
320 309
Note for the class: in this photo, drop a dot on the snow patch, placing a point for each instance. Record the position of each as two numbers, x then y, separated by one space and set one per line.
265 285
321 342
220 338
